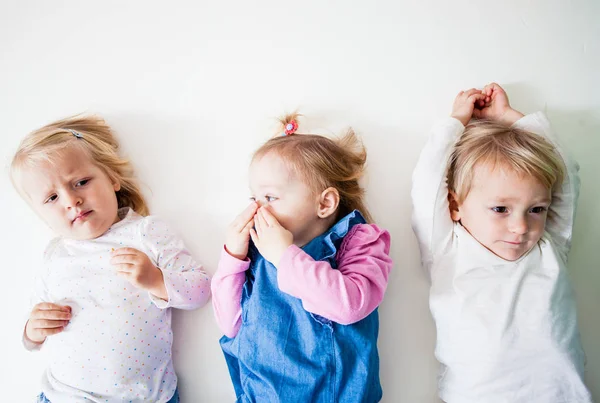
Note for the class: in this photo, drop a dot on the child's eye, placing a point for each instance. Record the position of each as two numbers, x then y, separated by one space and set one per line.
538 210
252 199
50 199
499 209
270 198
82 182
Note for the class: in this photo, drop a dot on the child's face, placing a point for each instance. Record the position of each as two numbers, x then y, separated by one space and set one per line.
290 200
505 212
72 195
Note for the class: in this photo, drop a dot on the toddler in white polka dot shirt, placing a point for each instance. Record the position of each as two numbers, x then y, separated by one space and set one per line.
101 305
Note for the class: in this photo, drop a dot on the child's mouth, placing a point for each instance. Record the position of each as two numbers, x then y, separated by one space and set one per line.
81 215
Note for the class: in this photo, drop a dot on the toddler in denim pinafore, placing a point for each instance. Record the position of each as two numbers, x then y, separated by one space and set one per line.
301 276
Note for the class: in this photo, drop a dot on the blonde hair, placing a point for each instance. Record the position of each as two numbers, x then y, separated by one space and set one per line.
485 142
96 139
322 162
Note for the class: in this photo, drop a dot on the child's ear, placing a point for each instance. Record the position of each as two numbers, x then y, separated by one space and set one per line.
454 211
116 186
329 200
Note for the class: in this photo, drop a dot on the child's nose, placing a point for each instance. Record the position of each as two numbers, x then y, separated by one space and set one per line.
71 199
519 225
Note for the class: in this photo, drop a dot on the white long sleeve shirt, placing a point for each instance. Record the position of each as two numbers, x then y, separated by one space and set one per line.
117 346
506 330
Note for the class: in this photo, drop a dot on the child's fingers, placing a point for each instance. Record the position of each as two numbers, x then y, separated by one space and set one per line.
49 324
262 214
50 332
242 219
55 315
261 218
51 315
259 223
49 306
486 90
269 218
475 97
254 236
471 92
124 267
257 227
45 332
125 251
248 226
491 88
125 259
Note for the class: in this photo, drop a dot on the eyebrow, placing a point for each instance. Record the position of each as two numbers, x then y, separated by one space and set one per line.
510 199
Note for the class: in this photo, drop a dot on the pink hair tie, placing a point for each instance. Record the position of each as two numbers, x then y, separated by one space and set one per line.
290 128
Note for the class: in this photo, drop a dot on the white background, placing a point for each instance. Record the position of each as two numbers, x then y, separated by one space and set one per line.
192 88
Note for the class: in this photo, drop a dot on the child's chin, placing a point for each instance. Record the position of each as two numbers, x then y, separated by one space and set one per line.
511 255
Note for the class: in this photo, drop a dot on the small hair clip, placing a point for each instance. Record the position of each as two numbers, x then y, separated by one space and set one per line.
290 128
75 133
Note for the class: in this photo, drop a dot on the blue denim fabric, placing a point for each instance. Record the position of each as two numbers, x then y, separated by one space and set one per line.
43 399
175 398
283 353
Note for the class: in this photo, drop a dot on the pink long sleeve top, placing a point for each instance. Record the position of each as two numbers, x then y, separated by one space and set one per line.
344 295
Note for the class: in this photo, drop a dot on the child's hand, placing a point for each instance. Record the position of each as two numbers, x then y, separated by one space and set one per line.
238 233
46 319
496 106
137 268
465 103
270 237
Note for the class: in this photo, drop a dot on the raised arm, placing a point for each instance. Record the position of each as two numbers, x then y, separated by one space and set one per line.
227 286
431 220
230 277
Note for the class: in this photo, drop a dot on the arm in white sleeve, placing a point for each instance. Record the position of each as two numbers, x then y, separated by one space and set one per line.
187 284
431 219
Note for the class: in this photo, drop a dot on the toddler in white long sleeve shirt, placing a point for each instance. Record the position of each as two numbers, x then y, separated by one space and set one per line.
102 301
494 206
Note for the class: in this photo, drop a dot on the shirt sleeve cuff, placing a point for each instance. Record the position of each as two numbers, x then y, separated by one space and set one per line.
532 121
455 123
231 265
448 127
159 302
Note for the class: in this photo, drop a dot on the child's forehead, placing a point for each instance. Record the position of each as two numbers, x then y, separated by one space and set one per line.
64 161
501 181
270 170
56 167
487 170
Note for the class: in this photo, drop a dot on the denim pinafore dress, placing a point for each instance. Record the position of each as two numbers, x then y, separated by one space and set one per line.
283 353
